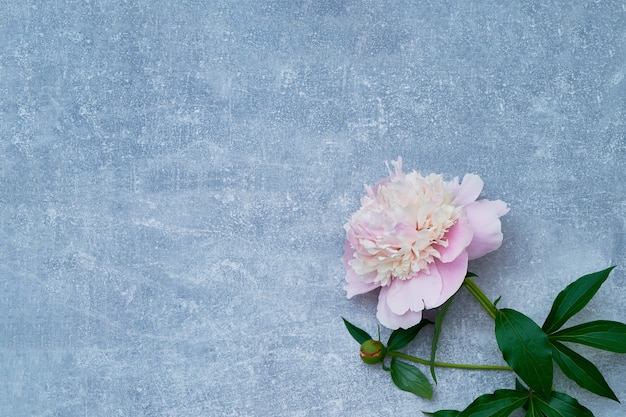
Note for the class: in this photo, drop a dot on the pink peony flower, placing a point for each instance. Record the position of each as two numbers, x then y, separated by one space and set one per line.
413 237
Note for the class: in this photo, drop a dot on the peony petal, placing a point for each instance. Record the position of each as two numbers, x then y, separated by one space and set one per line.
415 293
469 190
355 283
391 320
400 297
355 286
459 237
452 276
483 216
500 207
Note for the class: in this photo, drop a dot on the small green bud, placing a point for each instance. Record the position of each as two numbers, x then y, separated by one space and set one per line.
372 351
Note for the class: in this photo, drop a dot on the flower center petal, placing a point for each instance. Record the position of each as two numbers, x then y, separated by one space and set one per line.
401 220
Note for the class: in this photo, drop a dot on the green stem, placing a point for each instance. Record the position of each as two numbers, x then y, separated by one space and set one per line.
448 365
480 296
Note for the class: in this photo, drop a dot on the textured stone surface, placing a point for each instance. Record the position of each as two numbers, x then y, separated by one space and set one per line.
174 177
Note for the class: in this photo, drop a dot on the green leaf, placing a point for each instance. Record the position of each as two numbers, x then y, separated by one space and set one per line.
580 370
496 301
561 405
568 406
438 323
526 349
600 334
399 338
499 404
409 378
542 408
532 410
573 298
443 413
520 387
359 335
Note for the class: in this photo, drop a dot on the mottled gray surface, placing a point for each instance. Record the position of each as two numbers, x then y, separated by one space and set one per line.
174 177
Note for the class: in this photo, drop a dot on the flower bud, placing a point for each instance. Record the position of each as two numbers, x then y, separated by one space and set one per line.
372 351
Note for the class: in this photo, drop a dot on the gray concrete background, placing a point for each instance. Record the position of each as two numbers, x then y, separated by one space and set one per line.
174 177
